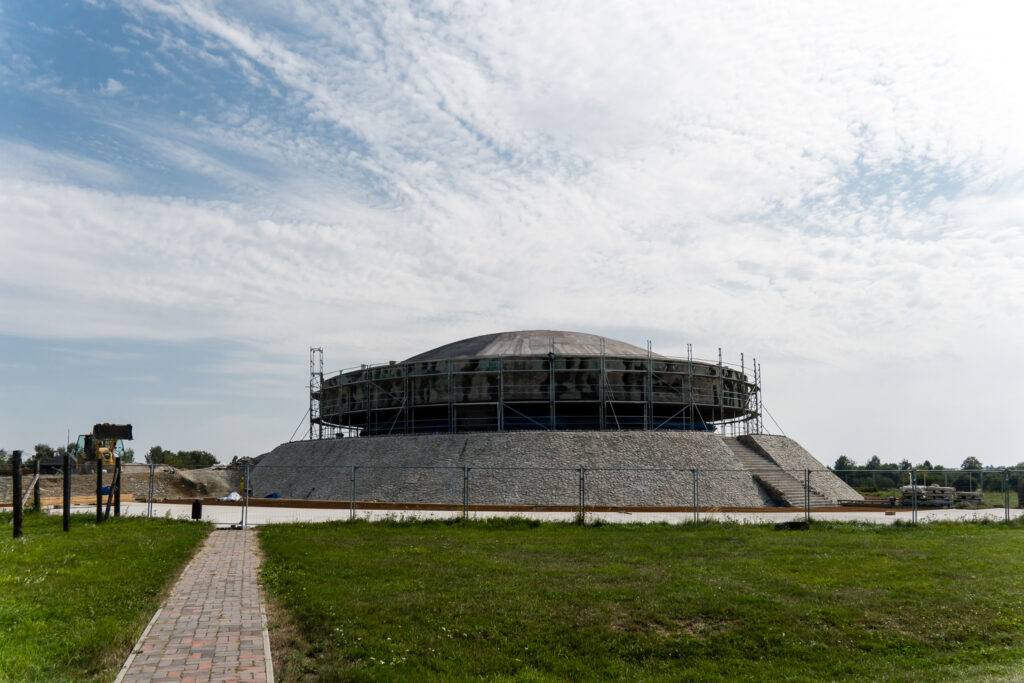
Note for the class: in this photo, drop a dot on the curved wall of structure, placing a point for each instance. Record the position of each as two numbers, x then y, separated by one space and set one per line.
536 380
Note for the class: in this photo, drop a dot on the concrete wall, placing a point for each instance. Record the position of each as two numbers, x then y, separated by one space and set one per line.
547 471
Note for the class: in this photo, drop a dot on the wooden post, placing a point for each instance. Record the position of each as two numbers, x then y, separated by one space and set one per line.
35 490
67 492
117 487
99 489
110 496
16 485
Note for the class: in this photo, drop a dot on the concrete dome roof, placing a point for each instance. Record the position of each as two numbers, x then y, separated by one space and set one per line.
532 343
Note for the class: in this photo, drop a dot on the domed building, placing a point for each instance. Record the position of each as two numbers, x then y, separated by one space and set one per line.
537 380
544 418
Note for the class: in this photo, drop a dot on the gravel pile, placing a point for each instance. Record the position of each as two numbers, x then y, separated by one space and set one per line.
527 468
169 483
791 456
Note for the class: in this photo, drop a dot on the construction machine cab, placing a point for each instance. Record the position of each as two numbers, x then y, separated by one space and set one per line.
100 448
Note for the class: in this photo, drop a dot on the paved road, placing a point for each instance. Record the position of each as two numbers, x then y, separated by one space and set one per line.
213 626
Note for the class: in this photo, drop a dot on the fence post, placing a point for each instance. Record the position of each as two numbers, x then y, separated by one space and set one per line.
152 490
245 498
99 490
465 492
696 496
913 491
117 486
16 486
583 494
352 496
36 506
807 495
1006 495
66 512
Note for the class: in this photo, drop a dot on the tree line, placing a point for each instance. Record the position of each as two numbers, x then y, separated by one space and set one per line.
155 456
881 476
182 459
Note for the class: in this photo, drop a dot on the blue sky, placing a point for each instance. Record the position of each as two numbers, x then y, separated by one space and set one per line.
193 193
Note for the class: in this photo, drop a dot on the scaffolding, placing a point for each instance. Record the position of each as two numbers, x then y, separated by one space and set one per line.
316 386
537 392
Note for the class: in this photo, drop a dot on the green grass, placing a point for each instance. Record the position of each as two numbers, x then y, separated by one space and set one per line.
73 604
517 600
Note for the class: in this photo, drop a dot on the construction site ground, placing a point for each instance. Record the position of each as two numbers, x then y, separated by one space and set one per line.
169 483
228 514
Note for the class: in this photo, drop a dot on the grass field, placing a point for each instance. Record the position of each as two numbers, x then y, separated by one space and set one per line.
73 604
518 600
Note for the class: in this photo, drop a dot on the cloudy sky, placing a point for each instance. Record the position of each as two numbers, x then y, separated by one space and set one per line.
193 193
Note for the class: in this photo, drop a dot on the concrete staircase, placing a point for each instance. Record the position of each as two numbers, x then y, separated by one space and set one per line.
774 479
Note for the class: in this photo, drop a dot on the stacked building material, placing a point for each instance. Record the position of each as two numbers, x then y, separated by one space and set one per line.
927 496
969 497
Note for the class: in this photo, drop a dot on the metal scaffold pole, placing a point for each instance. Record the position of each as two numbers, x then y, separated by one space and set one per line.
743 396
501 394
551 384
721 391
689 372
316 385
600 390
757 385
650 388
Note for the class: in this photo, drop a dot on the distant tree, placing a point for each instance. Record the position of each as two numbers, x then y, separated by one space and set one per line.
195 459
42 452
970 463
183 459
874 463
844 463
926 465
129 455
5 457
905 464
157 456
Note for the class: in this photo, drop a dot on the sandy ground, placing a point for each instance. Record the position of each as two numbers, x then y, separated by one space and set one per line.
223 515
169 483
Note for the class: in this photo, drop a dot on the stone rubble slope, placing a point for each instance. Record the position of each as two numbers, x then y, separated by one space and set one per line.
526 468
791 456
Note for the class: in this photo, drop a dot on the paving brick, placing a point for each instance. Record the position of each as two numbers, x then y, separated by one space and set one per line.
211 627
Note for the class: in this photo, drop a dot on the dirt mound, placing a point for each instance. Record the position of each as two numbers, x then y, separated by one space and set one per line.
168 483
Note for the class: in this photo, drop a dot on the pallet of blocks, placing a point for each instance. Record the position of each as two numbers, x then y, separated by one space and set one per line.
970 497
932 495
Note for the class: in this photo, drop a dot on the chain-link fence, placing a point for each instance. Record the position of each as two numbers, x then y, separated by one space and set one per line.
686 493
689 491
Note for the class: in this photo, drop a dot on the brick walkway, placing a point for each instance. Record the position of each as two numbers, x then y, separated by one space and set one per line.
213 626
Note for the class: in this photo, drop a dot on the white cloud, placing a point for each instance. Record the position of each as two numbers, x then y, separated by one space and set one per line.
111 87
829 185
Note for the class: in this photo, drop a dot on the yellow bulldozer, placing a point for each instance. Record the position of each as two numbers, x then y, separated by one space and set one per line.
100 448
